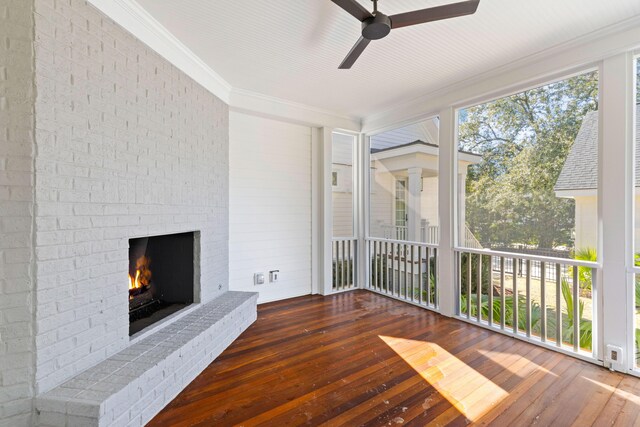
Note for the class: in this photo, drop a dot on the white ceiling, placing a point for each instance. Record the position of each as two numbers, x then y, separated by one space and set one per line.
425 131
290 49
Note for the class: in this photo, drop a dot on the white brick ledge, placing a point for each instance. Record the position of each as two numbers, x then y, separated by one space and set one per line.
132 386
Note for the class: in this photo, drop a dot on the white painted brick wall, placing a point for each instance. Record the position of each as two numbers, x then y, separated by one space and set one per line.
16 205
127 146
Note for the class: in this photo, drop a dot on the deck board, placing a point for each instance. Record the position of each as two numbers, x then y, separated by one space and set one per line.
360 359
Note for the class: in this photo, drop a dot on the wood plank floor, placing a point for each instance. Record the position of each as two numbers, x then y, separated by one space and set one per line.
360 359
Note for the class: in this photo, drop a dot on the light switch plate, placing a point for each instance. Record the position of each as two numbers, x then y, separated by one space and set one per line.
274 275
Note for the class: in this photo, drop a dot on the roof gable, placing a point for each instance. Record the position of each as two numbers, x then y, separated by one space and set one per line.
580 170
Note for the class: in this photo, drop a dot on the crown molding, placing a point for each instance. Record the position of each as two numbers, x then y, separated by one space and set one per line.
136 20
281 109
537 68
559 61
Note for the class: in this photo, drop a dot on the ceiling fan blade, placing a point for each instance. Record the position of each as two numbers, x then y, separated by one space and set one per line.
354 8
434 14
354 53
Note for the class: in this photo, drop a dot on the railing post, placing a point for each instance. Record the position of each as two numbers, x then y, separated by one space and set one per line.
414 186
447 210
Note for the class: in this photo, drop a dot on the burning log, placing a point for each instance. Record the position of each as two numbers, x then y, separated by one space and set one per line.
141 282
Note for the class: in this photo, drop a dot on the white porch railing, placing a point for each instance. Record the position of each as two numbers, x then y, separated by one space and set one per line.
470 240
395 232
404 270
635 307
429 234
559 312
344 255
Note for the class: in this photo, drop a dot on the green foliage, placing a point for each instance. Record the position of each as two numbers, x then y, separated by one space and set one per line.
381 266
430 289
343 269
508 310
585 332
486 271
584 273
637 347
524 140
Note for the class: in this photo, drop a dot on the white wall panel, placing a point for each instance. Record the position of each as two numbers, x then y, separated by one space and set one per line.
270 205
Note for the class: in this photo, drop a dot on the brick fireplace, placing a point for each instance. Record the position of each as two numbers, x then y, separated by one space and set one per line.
103 138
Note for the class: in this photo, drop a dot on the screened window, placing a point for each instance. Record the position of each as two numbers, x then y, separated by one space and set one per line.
636 293
404 183
530 188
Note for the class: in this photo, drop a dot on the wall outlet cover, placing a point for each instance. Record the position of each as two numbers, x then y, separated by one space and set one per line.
258 279
614 354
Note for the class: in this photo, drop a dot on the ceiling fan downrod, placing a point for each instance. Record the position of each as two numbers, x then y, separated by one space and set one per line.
377 26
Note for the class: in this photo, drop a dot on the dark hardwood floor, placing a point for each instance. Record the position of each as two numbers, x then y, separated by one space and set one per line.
360 359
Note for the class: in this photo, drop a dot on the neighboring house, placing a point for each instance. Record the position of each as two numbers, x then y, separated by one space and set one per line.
342 185
404 184
578 180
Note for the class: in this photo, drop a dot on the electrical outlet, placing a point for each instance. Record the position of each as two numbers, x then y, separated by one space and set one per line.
273 275
614 354
258 279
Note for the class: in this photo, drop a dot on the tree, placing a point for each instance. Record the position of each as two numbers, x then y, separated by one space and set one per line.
524 140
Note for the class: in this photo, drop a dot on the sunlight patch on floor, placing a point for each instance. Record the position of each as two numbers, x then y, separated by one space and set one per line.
450 376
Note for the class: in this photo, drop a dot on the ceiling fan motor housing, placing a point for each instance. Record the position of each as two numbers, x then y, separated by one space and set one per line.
376 27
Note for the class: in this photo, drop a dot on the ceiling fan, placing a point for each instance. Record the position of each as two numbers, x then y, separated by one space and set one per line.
376 25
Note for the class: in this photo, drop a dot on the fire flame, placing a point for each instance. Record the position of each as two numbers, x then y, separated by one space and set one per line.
143 273
135 283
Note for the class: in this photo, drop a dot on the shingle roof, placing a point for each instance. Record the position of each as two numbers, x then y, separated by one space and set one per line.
580 170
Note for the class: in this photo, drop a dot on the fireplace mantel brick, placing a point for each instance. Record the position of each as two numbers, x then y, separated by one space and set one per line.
133 385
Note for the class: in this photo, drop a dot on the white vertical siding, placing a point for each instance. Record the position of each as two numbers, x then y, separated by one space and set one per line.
586 225
342 213
382 198
342 196
429 200
270 206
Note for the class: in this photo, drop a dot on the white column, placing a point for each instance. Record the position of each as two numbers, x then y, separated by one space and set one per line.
414 210
316 207
462 200
446 210
362 218
615 202
325 221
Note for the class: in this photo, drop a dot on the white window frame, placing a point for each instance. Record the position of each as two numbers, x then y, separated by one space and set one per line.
633 270
607 53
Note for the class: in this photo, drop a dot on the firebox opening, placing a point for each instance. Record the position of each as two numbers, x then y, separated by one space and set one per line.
161 278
